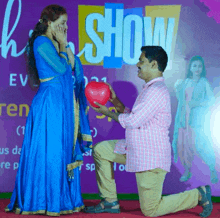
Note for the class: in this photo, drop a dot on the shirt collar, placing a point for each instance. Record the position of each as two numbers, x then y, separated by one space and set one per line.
153 81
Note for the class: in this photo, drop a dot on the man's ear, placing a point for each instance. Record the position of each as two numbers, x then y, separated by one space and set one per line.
154 64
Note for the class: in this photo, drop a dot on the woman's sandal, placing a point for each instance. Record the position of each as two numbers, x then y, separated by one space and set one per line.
206 197
107 207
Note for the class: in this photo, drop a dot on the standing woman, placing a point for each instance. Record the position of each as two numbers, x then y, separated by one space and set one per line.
57 129
195 97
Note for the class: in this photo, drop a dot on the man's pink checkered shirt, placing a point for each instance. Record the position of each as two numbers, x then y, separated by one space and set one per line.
147 145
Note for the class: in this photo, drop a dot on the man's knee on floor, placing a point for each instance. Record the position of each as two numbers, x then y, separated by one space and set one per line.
148 213
149 209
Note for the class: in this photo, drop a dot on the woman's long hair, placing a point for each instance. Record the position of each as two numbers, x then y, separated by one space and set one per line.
50 13
196 58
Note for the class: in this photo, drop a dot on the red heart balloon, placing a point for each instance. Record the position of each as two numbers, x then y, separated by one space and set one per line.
97 91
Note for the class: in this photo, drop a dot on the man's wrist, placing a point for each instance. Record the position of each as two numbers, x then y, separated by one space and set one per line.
109 113
115 100
113 115
118 105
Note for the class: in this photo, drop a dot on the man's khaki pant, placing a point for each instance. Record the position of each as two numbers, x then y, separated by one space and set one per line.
150 184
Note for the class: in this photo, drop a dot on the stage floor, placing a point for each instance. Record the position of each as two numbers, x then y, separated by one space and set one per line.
129 209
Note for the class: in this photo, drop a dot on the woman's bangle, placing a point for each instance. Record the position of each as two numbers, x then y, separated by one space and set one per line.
67 46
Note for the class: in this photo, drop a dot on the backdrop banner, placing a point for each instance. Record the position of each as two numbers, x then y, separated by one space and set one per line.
108 37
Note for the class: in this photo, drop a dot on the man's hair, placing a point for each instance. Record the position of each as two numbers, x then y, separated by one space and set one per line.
156 53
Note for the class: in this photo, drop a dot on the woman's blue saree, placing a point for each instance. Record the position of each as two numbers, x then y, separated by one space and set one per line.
57 133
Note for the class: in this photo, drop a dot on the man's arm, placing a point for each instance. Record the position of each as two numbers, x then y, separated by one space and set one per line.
104 110
118 105
115 100
113 115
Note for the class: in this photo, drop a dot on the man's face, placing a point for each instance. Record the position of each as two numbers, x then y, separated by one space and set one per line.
144 68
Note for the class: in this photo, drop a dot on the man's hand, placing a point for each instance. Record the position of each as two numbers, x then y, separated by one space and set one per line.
115 101
102 109
113 95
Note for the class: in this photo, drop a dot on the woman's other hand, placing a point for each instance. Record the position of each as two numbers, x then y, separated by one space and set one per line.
60 34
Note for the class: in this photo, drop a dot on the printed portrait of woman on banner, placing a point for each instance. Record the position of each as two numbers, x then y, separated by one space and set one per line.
195 97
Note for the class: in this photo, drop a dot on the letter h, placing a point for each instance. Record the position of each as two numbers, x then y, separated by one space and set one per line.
114 15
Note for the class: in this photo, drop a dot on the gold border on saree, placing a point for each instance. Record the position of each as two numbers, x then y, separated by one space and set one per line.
46 79
44 212
87 138
87 110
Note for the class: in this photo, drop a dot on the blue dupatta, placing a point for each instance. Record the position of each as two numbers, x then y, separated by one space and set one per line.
82 134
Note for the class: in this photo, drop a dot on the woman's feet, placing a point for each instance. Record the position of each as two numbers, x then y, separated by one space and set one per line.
205 200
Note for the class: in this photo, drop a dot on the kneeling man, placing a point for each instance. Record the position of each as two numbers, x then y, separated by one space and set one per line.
146 151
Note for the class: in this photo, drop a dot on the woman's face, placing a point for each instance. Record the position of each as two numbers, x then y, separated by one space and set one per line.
196 68
61 21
